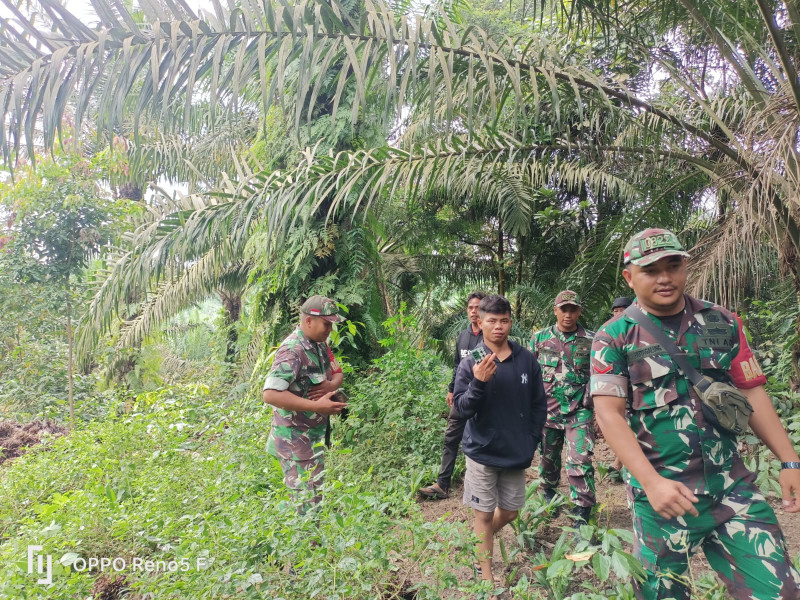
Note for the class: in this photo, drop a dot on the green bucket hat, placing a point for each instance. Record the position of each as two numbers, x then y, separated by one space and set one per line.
320 306
650 245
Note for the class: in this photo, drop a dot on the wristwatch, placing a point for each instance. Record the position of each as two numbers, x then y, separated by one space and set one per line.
790 465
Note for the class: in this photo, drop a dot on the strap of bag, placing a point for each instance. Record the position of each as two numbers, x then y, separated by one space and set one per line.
678 355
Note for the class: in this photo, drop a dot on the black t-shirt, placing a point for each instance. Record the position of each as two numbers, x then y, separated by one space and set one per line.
672 324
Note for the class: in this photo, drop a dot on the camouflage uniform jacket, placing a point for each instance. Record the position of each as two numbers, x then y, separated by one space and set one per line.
298 364
565 368
663 409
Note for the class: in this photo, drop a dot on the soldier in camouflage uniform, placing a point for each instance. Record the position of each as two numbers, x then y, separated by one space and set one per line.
687 485
300 386
617 308
620 304
563 352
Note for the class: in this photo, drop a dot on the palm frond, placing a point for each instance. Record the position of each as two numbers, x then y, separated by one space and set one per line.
243 58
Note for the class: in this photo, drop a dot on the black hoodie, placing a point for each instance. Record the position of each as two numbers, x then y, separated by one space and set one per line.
506 414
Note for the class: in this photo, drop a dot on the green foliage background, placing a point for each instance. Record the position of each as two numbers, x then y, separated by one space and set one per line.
186 183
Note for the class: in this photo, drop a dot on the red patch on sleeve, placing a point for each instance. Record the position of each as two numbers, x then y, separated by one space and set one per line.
335 368
745 371
604 370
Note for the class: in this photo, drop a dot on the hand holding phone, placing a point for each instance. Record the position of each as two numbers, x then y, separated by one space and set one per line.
478 354
485 369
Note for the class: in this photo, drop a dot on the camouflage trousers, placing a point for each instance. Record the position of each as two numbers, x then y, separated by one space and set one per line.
738 532
304 479
578 431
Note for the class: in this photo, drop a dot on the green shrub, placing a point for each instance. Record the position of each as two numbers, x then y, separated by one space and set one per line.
184 477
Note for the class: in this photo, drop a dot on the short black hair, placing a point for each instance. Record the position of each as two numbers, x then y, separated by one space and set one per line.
478 295
495 305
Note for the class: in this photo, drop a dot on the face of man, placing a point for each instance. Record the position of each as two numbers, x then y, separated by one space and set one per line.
472 311
567 317
495 328
316 329
659 286
618 310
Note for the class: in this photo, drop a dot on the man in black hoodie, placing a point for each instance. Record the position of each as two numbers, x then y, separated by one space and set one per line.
467 340
503 398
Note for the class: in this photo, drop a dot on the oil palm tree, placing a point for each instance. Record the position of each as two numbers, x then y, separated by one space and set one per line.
548 121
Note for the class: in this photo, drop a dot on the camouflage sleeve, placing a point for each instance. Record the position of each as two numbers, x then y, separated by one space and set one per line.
609 367
745 370
533 344
285 370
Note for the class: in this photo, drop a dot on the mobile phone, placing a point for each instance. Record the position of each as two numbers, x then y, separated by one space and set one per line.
340 396
479 354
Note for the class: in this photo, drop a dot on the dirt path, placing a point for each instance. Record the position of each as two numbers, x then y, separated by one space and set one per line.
613 513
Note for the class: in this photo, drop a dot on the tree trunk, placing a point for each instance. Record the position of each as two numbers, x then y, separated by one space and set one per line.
384 292
501 270
70 368
233 311
520 261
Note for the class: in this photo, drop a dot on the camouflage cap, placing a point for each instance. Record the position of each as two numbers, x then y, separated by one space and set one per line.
568 297
320 306
650 245
622 302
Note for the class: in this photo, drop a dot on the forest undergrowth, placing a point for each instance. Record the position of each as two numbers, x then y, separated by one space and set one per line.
174 489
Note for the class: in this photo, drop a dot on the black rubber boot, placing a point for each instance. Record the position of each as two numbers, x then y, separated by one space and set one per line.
549 496
582 515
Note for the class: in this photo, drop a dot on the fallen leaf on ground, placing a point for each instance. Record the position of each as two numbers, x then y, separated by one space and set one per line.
580 556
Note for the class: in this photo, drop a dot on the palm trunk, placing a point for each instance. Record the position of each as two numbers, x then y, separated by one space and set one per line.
384 292
520 261
233 309
501 270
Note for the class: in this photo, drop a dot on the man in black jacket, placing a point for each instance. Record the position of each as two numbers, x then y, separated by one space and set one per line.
503 398
468 339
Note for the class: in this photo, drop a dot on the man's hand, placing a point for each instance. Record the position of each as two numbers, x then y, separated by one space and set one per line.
326 406
315 392
450 399
671 498
790 486
485 369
